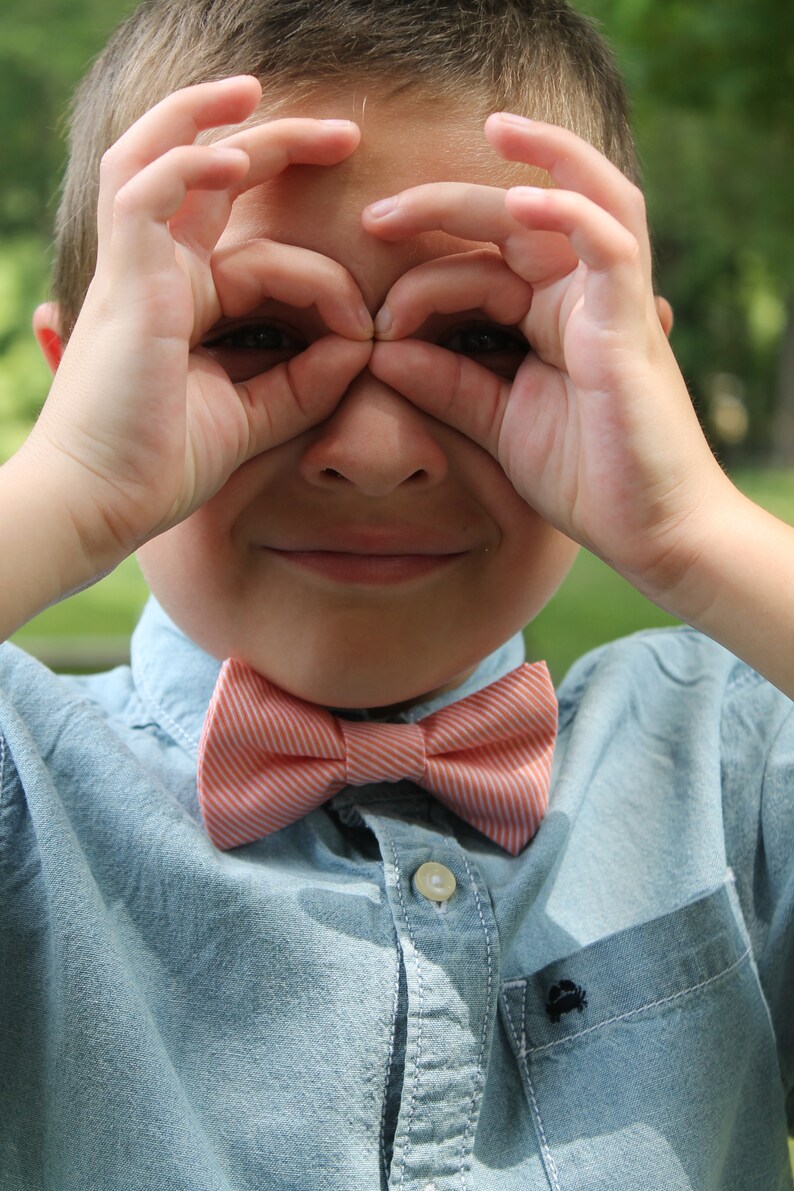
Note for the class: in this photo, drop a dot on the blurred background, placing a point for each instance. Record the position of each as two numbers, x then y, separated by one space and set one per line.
714 117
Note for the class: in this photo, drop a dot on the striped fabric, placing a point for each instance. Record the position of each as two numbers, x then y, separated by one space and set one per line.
267 758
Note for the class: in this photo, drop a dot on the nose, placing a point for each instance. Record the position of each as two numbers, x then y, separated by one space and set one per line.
375 440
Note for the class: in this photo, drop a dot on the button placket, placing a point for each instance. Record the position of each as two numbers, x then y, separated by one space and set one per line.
451 970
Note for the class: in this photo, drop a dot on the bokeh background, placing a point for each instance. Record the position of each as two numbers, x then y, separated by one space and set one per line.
714 115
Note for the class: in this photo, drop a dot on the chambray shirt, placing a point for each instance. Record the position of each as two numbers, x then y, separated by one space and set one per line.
610 1010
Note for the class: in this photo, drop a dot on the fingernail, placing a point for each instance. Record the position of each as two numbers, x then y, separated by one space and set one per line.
382 208
512 118
365 318
339 123
526 191
383 322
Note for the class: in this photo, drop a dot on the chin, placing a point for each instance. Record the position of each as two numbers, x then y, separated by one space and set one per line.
362 682
354 688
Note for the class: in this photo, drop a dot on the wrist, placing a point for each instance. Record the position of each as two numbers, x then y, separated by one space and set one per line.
46 539
737 586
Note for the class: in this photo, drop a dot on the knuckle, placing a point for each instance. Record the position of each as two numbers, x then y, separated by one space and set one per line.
126 200
109 160
629 251
291 378
636 200
334 276
456 377
486 258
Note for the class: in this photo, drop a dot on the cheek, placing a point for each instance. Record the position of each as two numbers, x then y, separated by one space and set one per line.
187 569
532 560
201 556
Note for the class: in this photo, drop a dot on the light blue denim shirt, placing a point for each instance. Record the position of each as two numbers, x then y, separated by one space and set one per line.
610 1010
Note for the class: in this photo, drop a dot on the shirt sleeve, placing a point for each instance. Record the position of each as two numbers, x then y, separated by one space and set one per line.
758 802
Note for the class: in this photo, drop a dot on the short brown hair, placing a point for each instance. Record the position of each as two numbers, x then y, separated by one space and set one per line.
536 57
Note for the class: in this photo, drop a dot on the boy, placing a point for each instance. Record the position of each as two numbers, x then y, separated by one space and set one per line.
356 450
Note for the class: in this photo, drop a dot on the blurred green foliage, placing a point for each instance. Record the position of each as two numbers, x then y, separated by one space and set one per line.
45 46
714 115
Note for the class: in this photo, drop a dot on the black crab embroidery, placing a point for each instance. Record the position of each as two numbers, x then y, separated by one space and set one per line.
565 997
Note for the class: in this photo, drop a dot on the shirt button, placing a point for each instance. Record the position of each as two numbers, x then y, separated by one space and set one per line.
435 881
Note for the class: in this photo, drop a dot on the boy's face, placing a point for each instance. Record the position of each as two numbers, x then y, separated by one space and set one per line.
379 556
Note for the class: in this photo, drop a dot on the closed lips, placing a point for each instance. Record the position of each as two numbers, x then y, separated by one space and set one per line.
357 566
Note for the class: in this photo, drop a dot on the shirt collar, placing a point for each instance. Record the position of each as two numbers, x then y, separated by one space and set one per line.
175 678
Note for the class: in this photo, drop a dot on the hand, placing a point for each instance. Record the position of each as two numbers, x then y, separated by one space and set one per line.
596 429
143 425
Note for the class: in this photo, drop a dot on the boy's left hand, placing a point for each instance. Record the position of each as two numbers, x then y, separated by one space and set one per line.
596 431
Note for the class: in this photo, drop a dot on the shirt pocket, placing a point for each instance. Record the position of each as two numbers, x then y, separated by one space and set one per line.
648 1059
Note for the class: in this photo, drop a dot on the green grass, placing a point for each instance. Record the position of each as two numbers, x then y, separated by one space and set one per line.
593 606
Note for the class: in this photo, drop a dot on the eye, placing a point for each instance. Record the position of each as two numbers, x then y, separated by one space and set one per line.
248 349
499 348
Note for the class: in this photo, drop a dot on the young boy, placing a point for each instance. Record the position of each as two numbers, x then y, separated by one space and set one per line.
354 381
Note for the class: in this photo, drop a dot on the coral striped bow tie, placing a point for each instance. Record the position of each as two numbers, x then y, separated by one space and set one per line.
267 758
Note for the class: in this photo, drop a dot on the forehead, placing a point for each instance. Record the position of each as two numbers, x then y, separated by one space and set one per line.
407 140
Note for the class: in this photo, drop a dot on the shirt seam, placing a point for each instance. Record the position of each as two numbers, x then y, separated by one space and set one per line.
166 720
3 749
420 1020
545 1150
478 1080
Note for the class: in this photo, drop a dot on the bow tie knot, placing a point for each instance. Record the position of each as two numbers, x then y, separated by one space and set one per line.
383 752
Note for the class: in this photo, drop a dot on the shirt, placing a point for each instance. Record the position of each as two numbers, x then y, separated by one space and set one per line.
609 1009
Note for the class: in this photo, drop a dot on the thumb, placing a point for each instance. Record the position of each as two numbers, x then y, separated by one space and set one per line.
448 386
301 392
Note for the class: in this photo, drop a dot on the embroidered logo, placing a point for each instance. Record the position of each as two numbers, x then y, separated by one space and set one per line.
564 997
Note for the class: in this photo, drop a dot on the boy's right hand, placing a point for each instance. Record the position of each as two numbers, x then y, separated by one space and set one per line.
142 425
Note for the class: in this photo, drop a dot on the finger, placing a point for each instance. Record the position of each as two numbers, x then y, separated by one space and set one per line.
462 209
574 165
247 276
142 208
665 313
276 144
449 387
597 239
301 392
271 147
176 120
475 213
477 280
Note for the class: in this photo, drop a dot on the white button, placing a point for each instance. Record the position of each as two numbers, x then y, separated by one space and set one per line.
434 881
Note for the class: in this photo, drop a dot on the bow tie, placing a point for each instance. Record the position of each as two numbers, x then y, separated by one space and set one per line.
267 758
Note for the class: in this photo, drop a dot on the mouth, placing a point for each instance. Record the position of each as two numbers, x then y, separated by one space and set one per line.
357 553
368 568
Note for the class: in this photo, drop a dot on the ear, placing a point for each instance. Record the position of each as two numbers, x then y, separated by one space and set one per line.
665 312
47 329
